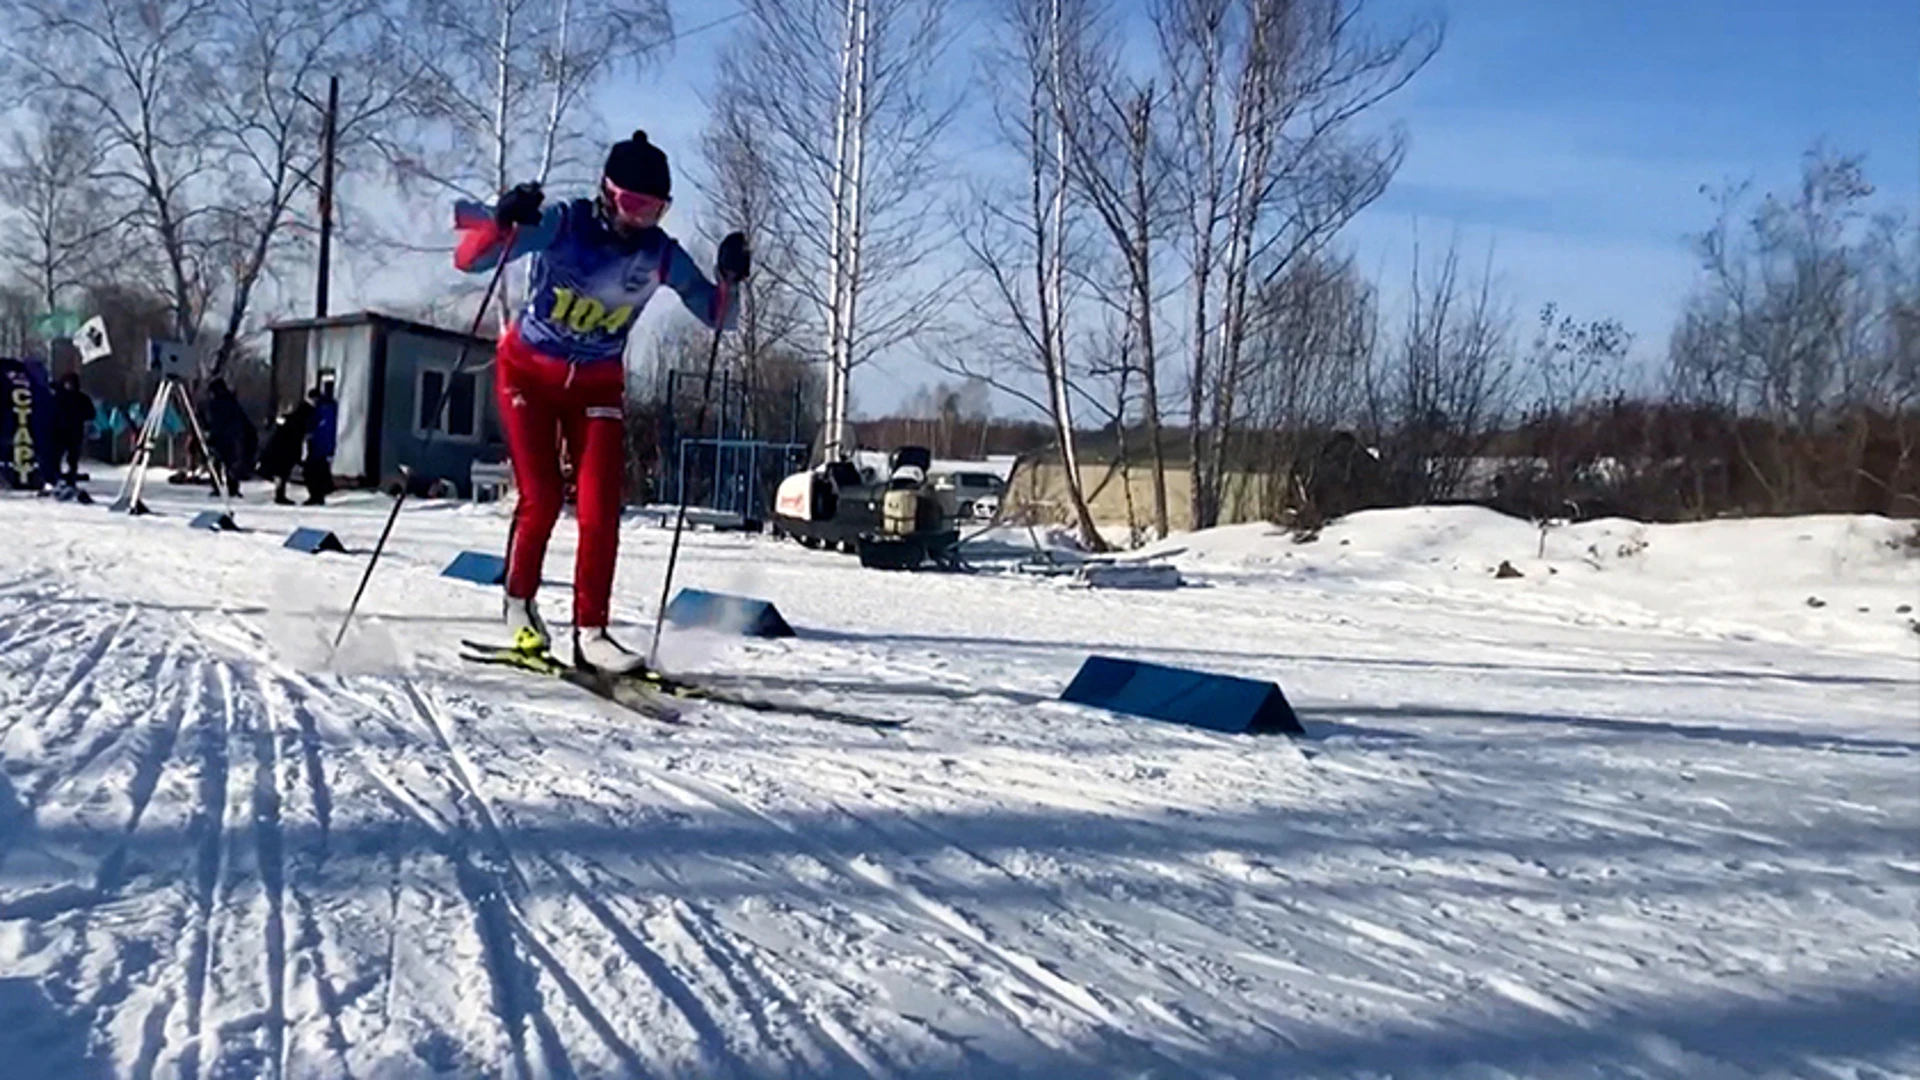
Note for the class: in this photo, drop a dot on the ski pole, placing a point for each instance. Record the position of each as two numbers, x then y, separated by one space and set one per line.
439 409
680 516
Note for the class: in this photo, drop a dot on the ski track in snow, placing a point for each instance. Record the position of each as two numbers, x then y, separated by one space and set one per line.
1570 836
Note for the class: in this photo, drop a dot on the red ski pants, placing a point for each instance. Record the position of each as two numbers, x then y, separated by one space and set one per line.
546 403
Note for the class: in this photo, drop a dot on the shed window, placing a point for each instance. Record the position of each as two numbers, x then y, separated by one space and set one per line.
459 417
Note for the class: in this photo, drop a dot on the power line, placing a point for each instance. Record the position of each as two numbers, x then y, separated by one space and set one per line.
680 35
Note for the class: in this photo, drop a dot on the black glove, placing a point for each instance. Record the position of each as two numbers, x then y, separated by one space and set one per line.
735 261
520 205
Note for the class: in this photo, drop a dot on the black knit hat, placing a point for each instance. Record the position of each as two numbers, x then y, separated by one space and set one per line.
639 166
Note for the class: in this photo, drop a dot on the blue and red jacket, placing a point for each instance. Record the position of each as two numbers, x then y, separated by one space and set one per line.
589 283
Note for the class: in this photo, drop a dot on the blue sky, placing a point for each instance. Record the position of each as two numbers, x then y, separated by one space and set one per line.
1571 139
1564 141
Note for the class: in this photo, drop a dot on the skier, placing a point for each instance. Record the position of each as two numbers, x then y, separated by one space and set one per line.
560 374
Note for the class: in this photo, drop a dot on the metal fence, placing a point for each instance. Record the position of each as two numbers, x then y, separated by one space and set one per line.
752 439
738 476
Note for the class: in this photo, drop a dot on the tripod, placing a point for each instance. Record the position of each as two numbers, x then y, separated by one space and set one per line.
172 390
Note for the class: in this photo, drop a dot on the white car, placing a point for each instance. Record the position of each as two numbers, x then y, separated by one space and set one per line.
970 494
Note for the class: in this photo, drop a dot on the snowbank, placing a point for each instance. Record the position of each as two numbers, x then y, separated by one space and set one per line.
1837 580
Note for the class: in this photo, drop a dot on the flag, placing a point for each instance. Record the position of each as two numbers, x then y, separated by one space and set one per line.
92 341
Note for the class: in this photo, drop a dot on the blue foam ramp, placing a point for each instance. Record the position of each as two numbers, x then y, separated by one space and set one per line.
314 541
733 614
213 521
1181 696
477 567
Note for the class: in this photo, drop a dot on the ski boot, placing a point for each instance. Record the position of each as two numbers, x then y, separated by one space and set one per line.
596 652
530 637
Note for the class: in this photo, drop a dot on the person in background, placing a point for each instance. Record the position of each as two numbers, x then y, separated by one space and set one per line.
72 411
229 431
318 468
284 444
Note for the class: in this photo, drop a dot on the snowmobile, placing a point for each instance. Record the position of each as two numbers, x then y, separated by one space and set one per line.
895 523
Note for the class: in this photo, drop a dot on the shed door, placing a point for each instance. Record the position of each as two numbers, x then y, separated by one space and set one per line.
343 354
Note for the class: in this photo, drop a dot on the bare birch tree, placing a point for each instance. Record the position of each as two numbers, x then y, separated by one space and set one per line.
1025 240
1112 121
63 216
506 82
844 101
504 98
739 187
133 71
273 56
1271 166
198 129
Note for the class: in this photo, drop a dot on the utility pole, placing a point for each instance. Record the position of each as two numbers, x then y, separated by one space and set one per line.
326 196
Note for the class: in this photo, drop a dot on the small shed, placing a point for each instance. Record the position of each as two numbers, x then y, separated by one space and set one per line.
387 375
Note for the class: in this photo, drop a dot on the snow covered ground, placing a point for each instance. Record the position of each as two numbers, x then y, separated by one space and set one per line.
1641 812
